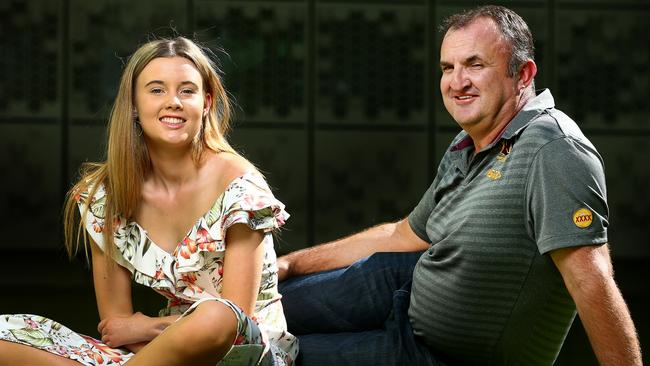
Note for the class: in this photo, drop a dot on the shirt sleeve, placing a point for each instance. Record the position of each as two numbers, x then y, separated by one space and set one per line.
420 215
566 196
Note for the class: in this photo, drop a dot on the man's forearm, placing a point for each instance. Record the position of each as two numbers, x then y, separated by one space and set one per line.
339 253
389 237
609 326
589 277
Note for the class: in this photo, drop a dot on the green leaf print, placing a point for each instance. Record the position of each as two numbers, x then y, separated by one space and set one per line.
265 212
42 320
146 246
56 326
97 207
34 337
215 212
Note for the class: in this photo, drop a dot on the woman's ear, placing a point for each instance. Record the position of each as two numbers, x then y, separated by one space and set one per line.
207 103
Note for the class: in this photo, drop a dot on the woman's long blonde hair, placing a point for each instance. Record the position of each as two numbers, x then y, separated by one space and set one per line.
127 160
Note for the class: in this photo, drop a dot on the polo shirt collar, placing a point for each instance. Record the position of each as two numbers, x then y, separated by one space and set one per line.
544 100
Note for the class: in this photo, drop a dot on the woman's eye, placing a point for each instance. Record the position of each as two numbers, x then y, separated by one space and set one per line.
156 91
187 91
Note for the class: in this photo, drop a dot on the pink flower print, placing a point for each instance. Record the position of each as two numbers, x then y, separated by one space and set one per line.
220 268
113 354
98 358
279 218
248 200
159 275
31 324
239 340
194 288
202 236
58 349
210 247
173 300
189 277
96 226
188 246
204 240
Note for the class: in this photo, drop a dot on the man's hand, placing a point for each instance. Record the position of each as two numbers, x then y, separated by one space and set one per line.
284 268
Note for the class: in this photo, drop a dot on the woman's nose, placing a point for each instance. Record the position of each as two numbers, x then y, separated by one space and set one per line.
174 102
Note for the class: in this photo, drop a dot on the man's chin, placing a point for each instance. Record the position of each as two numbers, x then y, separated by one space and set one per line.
464 121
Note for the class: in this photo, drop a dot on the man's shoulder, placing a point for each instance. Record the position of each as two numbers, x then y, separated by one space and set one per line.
554 134
551 124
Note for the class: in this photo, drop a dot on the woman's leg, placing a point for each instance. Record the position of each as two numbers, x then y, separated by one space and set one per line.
202 337
12 354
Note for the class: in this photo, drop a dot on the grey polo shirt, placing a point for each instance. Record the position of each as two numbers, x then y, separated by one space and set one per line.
487 292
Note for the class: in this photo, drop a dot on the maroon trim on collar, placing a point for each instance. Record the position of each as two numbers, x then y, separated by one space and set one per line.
464 143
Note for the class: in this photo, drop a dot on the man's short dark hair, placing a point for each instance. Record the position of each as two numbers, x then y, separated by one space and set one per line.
513 28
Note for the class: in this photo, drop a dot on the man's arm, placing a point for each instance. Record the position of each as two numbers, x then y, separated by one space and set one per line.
390 237
588 275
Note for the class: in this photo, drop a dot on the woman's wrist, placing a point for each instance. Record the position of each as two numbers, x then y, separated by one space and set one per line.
161 323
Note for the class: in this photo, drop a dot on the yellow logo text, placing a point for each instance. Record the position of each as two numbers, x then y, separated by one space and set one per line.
583 218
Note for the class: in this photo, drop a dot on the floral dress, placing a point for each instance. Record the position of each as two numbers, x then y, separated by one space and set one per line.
192 274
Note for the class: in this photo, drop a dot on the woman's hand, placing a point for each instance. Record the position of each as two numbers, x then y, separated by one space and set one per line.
135 347
117 331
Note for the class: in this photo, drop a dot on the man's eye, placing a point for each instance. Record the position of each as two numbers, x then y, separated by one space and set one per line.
477 66
447 69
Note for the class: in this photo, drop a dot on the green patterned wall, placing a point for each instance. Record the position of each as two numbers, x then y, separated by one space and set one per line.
337 103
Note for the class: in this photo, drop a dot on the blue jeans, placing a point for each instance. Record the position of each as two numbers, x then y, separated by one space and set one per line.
357 315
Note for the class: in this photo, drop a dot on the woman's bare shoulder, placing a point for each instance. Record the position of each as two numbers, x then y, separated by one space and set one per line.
230 166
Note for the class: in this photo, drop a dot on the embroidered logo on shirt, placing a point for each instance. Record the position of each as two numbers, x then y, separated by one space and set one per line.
583 218
493 174
506 148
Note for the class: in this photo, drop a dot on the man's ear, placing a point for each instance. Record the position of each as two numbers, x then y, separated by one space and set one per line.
527 74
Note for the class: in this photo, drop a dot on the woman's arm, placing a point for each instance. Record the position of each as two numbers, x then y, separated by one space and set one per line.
242 268
119 325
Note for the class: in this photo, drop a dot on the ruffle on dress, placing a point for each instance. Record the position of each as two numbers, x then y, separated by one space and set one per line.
179 276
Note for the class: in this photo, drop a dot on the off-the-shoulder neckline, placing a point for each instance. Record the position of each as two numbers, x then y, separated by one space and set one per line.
244 177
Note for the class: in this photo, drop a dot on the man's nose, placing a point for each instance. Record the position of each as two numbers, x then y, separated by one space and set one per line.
459 79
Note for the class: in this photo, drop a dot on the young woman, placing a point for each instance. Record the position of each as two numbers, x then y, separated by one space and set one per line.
175 208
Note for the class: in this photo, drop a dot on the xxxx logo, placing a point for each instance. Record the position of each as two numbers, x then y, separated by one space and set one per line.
583 218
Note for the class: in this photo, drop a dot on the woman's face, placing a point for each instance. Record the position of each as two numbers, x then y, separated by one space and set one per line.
170 102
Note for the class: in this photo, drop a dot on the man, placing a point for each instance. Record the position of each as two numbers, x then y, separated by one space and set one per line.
513 229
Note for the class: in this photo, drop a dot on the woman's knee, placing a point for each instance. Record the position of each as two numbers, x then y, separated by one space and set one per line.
212 325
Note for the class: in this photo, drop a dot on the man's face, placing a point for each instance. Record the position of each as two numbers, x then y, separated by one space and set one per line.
475 86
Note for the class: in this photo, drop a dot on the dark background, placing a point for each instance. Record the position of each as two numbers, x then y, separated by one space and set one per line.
338 105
